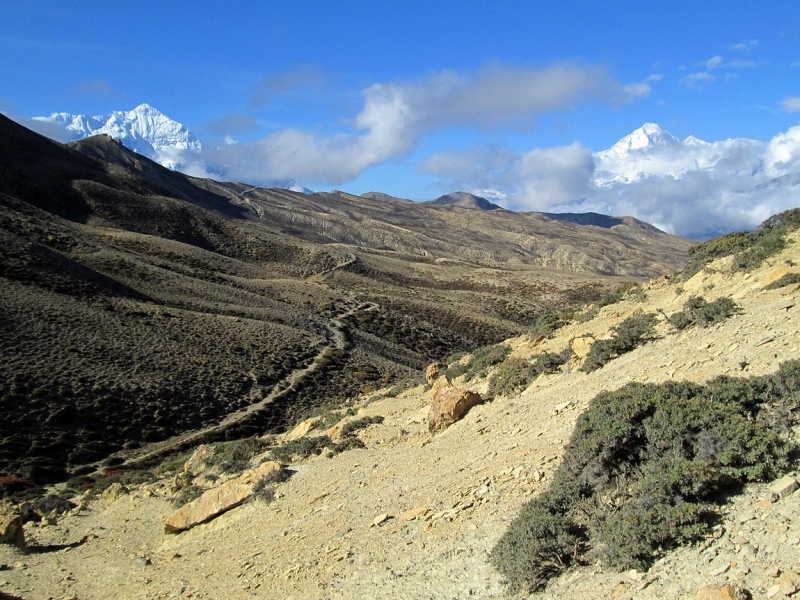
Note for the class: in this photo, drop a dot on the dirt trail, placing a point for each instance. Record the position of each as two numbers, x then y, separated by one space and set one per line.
280 389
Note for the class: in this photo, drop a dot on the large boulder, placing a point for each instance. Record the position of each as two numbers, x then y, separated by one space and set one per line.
11 531
449 405
218 500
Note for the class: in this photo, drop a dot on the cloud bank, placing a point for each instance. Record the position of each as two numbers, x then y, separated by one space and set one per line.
690 188
394 117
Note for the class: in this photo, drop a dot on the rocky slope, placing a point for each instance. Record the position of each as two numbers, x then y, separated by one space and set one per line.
413 515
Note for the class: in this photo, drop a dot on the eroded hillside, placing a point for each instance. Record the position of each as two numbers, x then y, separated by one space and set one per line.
140 306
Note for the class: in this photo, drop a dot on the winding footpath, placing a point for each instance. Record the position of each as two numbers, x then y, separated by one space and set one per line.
280 389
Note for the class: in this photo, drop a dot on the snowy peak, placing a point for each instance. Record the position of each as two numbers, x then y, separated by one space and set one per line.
647 136
144 129
694 141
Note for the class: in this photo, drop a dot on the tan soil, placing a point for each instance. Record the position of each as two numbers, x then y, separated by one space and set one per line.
319 538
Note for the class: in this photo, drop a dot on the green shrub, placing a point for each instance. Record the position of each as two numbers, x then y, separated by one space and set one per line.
482 358
351 427
644 471
547 324
517 374
628 335
787 279
186 495
630 288
749 249
302 448
697 312
264 488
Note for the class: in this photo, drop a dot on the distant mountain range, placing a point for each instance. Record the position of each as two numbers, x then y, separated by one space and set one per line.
637 175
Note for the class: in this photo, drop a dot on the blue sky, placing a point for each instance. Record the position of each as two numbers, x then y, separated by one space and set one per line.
314 86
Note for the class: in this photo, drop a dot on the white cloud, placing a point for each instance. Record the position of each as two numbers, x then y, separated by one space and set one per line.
746 45
791 104
533 180
654 77
696 79
741 64
713 63
395 115
795 65
696 190
637 90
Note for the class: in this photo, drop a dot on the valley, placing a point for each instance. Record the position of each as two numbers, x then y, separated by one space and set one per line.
141 305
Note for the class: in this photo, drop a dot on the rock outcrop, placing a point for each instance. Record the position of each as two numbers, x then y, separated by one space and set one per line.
582 345
449 405
432 373
11 531
218 500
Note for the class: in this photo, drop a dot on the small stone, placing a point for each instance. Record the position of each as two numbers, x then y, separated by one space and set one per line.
380 519
449 405
11 531
199 460
773 591
789 582
721 570
114 492
582 346
413 513
433 370
726 592
784 486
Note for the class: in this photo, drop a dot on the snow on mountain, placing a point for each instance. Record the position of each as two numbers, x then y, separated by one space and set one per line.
692 187
144 129
648 135
149 132
694 141
651 151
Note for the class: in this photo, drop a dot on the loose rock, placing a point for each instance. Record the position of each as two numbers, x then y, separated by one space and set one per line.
11 531
216 501
449 405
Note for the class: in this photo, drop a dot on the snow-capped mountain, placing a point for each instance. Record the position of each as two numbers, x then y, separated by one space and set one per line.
151 133
652 151
144 129
648 135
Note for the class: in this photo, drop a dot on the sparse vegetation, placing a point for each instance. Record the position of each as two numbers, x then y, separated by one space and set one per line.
628 335
748 249
349 428
645 469
478 365
625 289
186 495
550 322
516 374
264 488
697 312
787 279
